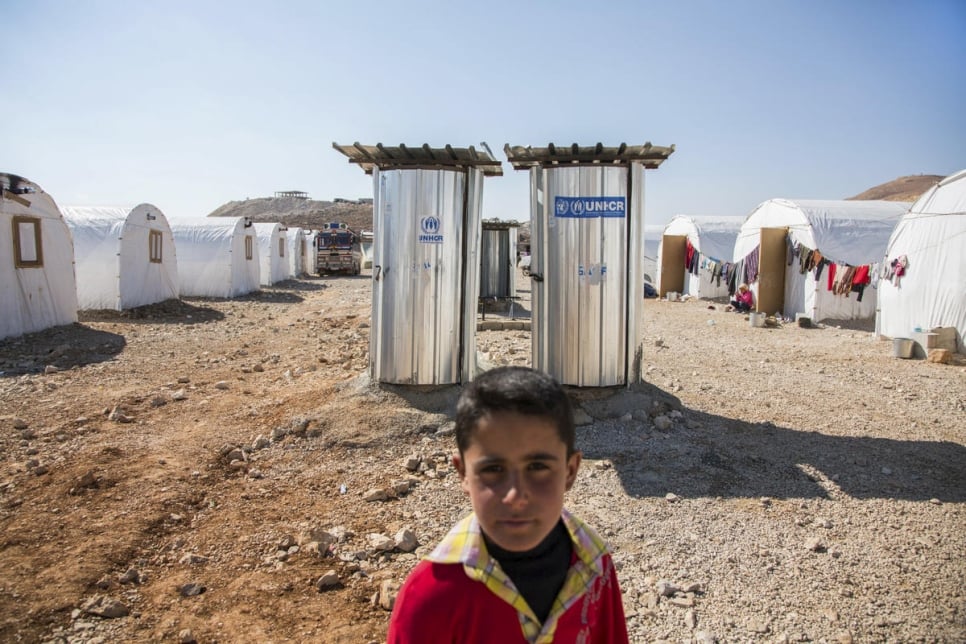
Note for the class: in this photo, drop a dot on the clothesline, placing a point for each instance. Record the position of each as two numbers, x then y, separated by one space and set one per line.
843 278
742 271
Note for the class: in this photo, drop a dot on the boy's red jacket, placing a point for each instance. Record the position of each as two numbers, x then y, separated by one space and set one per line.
460 594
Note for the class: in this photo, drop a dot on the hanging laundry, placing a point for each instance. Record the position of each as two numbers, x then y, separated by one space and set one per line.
805 263
843 281
861 275
899 265
751 265
822 263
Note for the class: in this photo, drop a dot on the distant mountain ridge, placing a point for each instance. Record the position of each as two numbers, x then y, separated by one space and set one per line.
907 188
309 213
303 213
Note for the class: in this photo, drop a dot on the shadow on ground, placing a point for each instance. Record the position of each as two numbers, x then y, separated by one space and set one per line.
704 455
61 348
182 311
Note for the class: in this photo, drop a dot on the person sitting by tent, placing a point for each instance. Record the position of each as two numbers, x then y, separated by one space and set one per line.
744 299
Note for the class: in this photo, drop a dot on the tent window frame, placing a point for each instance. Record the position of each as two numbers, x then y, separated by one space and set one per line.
18 248
281 247
249 247
155 246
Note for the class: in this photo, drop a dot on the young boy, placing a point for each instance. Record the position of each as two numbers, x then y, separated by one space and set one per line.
520 568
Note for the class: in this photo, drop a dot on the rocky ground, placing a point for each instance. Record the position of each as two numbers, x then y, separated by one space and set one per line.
224 471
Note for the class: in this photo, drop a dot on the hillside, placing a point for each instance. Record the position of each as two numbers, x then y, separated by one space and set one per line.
902 189
304 213
309 213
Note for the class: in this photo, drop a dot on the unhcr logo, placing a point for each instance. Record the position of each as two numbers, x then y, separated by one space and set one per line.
430 227
589 207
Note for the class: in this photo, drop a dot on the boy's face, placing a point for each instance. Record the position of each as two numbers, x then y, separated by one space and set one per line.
515 472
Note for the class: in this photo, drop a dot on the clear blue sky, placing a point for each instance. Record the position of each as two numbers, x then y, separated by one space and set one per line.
188 105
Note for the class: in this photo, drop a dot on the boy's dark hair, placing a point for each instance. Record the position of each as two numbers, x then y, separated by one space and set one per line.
514 389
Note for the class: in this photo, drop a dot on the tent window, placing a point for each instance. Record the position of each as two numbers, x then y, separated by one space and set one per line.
154 246
28 251
281 247
249 247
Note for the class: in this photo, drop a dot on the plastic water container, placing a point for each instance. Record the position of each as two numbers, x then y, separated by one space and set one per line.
902 347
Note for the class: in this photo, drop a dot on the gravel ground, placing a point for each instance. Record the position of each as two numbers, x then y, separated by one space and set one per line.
764 485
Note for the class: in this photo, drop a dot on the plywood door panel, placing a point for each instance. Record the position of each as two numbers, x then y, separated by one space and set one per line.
771 271
673 248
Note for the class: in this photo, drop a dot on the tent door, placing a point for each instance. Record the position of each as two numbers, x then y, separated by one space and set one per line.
771 271
673 248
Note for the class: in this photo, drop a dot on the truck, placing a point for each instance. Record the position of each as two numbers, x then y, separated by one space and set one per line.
338 250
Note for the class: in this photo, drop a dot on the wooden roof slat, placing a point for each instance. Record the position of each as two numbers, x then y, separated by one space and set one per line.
421 157
522 158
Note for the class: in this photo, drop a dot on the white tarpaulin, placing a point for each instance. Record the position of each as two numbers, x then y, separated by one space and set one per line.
714 238
932 239
297 250
272 253
652 241
37 287
217 256
847 232
311 258
123 257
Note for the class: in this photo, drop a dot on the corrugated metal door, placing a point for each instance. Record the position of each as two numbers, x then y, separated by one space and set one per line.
581 276
418 277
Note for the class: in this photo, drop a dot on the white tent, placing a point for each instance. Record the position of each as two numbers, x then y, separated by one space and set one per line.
37 287
652 241
713 238
366 238
844 232
217 256
932 239
311 258
297 252
271 252
123 257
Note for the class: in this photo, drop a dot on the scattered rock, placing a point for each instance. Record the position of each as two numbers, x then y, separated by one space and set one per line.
222 384
690 619
375 494
663 423
328 581
19 423
380 542
939 356
106 607
131 576
179 395
191 589
671 497
192 559
261 442
665 588
412 463
582 418
814 544
119 416
386 597
406 540
187 637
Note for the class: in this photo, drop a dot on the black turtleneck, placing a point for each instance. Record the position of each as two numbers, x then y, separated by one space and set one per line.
539 573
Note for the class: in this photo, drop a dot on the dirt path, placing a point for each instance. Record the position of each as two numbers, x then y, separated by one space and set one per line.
131 466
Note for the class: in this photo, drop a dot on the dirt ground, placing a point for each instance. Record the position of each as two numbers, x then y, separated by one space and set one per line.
131 465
